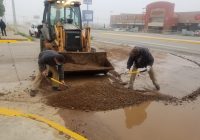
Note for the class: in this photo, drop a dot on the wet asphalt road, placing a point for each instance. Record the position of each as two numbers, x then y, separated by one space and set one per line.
170 43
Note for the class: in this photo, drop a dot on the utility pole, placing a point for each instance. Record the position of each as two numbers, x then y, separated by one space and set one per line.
14 13
87 10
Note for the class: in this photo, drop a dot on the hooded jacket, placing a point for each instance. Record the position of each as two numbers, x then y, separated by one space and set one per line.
47 58
142 58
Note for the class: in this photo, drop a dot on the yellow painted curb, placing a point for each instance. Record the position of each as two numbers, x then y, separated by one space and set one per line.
8 41
159 38
12 113
12 40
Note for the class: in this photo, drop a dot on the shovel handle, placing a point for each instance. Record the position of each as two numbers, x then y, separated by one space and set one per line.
137 71
134 72
54 80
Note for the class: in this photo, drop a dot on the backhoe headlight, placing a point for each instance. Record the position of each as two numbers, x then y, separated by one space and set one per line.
61 1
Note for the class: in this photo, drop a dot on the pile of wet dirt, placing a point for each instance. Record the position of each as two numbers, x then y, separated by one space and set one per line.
98 93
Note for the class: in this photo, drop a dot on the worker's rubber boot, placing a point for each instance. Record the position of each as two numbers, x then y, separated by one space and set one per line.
123 83
56 89
130 86
33 93
157 86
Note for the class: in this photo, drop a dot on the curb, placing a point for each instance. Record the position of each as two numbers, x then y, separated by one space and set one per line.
14 113
12 40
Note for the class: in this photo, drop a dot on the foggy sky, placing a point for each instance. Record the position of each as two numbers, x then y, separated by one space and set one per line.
26 9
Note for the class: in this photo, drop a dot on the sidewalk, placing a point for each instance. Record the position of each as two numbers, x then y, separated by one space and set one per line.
18 63
11 35
18 128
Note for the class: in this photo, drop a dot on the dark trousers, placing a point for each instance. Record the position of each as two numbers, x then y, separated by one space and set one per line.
3 31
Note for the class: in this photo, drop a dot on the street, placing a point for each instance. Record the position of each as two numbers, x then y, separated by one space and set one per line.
172 113
170 43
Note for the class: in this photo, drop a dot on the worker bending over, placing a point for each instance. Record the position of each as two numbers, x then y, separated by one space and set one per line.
49 61
141 58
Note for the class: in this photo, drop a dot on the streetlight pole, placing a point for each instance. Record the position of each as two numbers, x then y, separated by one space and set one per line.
87 10
144 18
14 13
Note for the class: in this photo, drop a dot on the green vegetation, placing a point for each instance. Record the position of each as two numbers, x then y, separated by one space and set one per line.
92 38
2 8
25 35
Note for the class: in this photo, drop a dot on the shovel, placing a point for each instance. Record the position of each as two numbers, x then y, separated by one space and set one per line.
137 71
54 80
134 72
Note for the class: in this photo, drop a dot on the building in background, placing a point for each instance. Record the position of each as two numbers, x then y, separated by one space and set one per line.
159 17
127 21
188 20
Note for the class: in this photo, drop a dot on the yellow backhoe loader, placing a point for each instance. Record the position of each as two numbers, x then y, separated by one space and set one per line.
62 31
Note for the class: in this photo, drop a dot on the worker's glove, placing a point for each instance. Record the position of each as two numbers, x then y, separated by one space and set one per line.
63 82
45 73
127 71
148 68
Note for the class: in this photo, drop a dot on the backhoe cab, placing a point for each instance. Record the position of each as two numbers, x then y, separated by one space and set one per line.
62 31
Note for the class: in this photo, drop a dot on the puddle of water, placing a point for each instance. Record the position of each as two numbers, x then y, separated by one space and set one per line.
155 121
150 120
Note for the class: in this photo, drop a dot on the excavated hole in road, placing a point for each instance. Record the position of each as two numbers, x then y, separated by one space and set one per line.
98 93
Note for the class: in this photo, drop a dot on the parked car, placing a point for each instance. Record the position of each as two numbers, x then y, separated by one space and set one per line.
33 31
197 33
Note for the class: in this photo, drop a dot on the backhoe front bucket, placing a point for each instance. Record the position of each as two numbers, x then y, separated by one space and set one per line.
85 62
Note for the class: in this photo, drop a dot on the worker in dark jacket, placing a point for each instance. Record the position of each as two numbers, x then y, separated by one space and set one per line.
3 27
49 61
141 58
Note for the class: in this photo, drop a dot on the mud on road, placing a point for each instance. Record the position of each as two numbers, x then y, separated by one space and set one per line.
101 93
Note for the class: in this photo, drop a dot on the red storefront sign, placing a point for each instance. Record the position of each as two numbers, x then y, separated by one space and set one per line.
197 17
